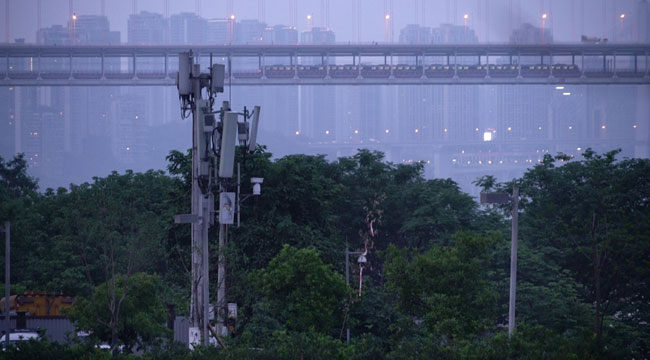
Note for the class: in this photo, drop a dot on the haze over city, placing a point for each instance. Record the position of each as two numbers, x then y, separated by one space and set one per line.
325 179
97 126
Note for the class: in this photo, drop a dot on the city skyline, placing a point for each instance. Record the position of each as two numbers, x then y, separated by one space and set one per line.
492 23
444 126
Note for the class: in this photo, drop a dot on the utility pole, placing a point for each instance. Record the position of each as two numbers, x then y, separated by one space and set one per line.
513 260
503 198
347 277
7 230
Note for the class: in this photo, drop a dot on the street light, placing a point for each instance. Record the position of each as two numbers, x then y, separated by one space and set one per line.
622 18
387 32
465 17
503 198
544 16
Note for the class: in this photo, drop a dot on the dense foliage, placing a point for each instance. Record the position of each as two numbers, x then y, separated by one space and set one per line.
436 283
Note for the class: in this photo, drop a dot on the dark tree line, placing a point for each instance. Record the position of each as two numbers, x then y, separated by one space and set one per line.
436 283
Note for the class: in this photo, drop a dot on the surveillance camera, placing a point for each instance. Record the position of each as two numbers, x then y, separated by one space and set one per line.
257 187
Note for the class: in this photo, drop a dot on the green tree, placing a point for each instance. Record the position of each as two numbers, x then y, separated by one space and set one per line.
446 288
301 291
596 214
142 316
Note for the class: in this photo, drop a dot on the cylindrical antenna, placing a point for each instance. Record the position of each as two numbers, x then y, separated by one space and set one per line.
102 7
197 6
166 9
134 4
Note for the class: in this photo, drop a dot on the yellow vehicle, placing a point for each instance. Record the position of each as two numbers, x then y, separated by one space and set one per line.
38 303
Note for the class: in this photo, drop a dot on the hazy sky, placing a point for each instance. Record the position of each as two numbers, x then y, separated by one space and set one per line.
564 15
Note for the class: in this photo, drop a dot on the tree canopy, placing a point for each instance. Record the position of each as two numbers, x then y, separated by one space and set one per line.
436 281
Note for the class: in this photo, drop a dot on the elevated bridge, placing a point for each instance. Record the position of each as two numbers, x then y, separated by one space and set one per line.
336 64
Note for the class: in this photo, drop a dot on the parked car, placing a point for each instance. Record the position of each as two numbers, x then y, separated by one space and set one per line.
17 336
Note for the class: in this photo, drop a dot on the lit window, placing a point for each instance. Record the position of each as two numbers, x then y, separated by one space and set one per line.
487 136
297 132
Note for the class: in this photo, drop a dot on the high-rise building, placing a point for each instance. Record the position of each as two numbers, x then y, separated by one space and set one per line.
318 116
217 31
54 35
146 28
318 35
92 29
281 34
187 28
7 122
437 113
529 34
129 130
